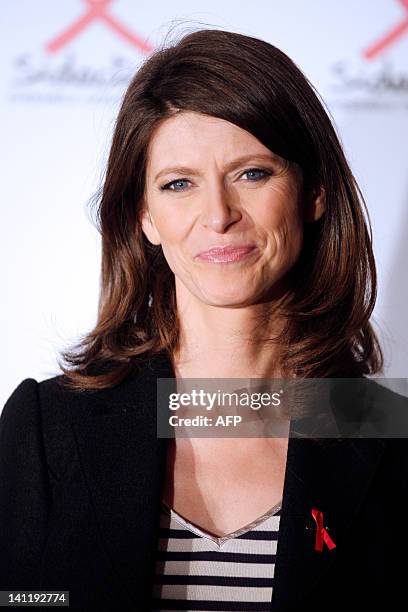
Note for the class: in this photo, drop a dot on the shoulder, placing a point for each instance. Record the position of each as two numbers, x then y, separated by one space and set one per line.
49 398
36 418
21 408
385 423
36 423
60 405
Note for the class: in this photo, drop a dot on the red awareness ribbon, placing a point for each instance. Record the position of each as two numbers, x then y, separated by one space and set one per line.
321 534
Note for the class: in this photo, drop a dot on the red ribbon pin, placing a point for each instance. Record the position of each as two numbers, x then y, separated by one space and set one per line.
321 534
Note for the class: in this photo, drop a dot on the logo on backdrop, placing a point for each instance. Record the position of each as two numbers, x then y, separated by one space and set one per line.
96 10
391 37
69 67
378 78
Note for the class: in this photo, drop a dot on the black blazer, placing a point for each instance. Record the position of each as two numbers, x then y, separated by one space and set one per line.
81 477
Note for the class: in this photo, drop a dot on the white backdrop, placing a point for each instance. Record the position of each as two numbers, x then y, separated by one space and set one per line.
63 71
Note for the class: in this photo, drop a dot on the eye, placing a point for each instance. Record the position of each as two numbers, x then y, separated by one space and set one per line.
170 185
252 171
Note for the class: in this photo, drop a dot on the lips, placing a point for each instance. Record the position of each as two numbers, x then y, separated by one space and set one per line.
226 254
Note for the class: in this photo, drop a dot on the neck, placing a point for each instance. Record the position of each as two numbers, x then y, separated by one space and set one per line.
219 342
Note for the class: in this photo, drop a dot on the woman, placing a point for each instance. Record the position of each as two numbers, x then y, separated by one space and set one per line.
235 245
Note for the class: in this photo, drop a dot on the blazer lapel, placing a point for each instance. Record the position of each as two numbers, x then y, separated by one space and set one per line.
124 464
332 477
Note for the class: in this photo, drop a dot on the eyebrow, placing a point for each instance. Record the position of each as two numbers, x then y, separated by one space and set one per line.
236 162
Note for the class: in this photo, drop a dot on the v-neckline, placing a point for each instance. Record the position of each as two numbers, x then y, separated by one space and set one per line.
220 540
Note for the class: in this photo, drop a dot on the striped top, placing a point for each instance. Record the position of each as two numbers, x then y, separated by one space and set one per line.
196 570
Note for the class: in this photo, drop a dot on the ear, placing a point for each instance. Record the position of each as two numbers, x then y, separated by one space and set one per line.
316 205
148 226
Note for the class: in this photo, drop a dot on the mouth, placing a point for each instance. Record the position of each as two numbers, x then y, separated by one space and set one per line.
227 254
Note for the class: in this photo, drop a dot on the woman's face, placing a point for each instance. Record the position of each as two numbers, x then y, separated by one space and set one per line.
210 183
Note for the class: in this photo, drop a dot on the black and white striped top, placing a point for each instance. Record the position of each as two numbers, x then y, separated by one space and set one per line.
196 570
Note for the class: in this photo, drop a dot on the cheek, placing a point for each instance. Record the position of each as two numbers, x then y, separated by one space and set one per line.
173 231
284 224
170 226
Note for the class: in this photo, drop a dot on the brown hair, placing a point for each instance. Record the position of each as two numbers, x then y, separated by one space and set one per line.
254 85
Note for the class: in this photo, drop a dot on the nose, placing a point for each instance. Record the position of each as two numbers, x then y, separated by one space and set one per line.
219 211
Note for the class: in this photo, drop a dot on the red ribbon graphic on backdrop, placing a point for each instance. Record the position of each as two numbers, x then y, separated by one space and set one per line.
96 10
321 534
389 38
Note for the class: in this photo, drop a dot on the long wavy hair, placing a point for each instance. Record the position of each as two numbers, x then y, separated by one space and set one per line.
250 83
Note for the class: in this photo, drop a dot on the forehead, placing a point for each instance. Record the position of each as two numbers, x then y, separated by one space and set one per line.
193 135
